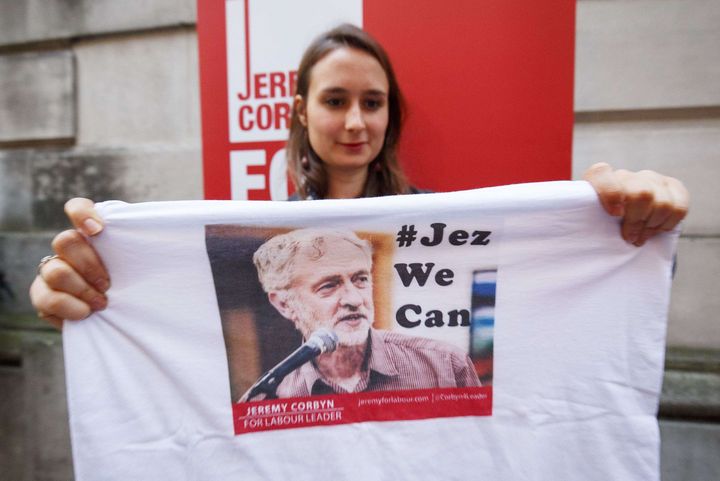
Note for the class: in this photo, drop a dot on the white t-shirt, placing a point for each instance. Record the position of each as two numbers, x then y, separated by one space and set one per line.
529 285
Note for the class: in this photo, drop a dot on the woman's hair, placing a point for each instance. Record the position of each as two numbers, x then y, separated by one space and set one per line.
307 171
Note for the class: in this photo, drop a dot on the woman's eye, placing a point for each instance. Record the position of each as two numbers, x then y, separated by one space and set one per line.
334 102
373 104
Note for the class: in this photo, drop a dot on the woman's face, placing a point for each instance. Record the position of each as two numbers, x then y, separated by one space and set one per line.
346 110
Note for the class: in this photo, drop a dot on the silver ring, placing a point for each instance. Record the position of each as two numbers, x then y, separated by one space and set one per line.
45 260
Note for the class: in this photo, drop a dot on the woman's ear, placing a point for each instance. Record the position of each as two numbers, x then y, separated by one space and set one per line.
300 110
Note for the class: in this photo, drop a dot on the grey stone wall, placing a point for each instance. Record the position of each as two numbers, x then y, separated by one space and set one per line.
36 96
97 99
100 98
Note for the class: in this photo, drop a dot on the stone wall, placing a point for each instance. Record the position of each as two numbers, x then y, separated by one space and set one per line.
100 99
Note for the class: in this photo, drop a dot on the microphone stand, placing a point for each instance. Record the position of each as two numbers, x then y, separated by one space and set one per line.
268 383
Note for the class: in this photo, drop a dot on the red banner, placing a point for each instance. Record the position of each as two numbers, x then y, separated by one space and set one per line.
489 87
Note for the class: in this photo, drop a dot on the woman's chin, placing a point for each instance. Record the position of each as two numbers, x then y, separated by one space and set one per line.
348 163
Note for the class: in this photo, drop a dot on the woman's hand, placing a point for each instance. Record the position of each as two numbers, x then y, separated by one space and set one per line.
648 202
72 284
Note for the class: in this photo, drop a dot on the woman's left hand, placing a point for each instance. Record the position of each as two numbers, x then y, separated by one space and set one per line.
648 202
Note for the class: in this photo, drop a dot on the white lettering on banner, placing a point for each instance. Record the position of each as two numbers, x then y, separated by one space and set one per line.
312 405
240 181
264 116
263 410
278 176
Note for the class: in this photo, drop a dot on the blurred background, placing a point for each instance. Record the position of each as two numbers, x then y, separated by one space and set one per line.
101 99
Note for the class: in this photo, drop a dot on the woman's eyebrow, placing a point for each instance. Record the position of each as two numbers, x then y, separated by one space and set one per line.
341 90
334 90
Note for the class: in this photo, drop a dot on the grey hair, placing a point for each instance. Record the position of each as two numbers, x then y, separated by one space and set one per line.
275 259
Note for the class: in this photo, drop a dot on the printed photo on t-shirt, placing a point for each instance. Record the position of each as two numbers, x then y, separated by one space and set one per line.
329 326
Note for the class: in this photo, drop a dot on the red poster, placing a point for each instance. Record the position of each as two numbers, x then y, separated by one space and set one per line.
488 86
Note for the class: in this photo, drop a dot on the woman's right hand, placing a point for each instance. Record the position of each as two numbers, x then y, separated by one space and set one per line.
73 283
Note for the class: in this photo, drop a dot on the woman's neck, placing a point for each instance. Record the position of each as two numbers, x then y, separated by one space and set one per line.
346 184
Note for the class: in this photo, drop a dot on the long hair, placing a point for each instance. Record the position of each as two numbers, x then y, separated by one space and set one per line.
307 171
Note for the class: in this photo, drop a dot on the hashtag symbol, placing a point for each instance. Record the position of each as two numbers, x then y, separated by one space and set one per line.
406 236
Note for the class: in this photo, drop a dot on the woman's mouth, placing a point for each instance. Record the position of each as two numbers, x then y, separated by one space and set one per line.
353 146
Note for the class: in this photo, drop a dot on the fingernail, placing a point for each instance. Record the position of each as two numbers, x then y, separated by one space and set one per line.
102 285
91 226
98 303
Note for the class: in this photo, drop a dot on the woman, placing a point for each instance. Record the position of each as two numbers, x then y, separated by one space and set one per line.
343 136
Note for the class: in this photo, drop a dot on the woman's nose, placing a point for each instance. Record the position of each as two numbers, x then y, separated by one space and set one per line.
354 118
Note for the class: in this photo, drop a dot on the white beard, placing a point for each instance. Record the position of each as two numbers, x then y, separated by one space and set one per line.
353 338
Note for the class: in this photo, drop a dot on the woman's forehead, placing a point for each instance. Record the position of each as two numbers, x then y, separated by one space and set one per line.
348 68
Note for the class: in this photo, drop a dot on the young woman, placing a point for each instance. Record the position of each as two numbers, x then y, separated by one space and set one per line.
344 131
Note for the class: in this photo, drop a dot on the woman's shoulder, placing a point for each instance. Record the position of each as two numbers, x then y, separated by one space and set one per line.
415 190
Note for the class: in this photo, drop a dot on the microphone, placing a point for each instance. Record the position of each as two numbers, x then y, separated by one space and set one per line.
321 341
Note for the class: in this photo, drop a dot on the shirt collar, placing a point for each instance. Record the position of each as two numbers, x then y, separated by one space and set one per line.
379 361
310 375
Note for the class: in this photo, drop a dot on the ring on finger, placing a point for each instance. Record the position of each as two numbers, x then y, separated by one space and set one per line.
45 260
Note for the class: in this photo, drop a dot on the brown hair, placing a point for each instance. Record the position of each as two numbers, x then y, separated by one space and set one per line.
385 177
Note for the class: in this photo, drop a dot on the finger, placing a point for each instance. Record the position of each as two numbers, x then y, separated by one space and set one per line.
83 216
55 305
54 321
608 188
662 206
75 249
639 196
60 276
681 203
669 208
